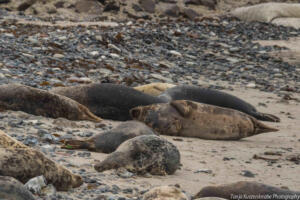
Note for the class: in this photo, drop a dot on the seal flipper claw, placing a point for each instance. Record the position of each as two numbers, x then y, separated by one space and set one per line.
266 117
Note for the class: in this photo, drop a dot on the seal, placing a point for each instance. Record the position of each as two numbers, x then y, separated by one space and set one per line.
24 163
108 101
243 190
39 102
11 189
192 119
214 97
142 154
109 141
165 193
154 89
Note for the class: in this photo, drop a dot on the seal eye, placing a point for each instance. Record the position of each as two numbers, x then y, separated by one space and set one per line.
135 112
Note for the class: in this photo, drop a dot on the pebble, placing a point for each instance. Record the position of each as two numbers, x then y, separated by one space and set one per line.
175 53
248 174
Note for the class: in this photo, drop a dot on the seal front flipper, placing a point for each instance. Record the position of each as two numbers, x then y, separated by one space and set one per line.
266 117
182 107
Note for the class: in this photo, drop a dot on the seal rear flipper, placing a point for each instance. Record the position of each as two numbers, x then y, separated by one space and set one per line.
76 144
266 117
261 128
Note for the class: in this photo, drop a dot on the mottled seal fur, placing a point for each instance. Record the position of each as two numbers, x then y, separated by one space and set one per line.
154 89
214 97
24 163
142 154
8 142
39 102
243 190
192 119
109 141
11 189
165 193
109 101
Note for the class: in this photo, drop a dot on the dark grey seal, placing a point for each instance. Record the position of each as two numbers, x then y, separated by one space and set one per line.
142 154
247 190
214 97
109 101
11 189
109 141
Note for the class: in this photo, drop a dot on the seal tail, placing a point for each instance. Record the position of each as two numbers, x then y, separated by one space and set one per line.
261 127
266 117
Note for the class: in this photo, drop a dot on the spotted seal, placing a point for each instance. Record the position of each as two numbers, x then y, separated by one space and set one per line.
40 102
106 100
214 97
109 141
192 119
23 163
142 154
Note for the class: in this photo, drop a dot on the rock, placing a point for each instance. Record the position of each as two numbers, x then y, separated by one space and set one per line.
175 53
248 174
111 5
190 13
207 171
251 85
57 55
208 3
172 11
36 184
165 193
88 7
147 5
11 189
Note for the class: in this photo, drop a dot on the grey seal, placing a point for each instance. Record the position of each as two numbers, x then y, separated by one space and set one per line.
110 140
142 154
214 97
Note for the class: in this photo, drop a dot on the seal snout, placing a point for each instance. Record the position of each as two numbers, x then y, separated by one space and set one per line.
135 113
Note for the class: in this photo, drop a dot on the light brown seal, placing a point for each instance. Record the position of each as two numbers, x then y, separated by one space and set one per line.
154 89
11 189
247 190
24 163
39 102
191 119
142 154
109 141
165 193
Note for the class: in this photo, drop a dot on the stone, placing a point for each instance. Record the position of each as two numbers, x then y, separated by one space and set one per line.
148 5
172 11
190 13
